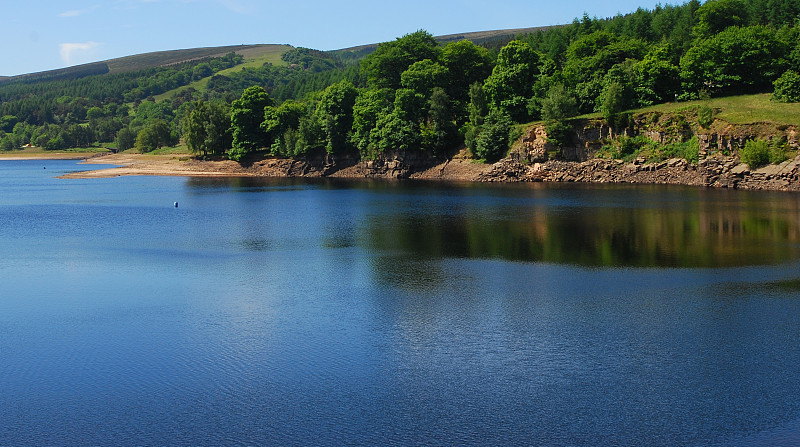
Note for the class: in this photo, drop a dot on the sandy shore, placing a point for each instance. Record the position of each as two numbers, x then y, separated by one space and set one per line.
168 165
185 165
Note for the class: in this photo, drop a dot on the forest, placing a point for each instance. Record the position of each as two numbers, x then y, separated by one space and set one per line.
414 93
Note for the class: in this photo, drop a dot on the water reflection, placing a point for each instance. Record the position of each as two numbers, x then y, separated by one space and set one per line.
598 226
663 228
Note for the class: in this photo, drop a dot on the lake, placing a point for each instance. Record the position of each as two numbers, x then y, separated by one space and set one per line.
299 312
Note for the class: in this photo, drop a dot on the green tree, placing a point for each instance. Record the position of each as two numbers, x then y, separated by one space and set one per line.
311 135
335 112
591 57
396 133
656 78
441 125
466 64
126 139
247 114
787 87
717 15
492 142
478 108
737 60
410 105
278 120
7 142
155 134
423 76
369 107
7 123
510 86
207 128
55 143
150 110
384 66
281 125
94 113
557 106
613 103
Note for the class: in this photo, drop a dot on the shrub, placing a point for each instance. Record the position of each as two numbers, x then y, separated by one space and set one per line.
755 153
705 116
787 87
688 150
778 151
493 140
559 133
627 148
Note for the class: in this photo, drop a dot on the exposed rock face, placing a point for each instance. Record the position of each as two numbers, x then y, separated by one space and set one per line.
529 160
390 165
727 172
719 164
718 172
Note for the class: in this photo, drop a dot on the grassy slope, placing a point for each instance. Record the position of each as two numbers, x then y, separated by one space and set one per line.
165 58
253 57
745 109
738 110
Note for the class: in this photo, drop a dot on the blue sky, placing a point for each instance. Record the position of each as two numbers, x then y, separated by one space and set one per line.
42 35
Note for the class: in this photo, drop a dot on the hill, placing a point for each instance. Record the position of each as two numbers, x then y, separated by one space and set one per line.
149 60
253 52
477 37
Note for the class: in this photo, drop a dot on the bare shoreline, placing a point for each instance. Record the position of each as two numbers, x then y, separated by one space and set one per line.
719 172
185 165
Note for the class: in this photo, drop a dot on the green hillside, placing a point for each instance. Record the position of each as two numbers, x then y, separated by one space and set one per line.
255 56
173 57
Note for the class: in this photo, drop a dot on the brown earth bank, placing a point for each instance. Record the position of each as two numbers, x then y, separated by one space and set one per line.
713 171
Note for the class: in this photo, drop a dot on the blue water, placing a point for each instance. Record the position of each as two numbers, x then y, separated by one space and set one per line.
279 312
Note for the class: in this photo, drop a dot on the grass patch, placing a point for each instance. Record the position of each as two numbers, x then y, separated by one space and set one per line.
744 109
631 148
180 149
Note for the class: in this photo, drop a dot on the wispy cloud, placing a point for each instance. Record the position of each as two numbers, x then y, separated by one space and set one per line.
239 6
78 12
71 52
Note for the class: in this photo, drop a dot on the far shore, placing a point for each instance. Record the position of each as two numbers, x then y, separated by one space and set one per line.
25 155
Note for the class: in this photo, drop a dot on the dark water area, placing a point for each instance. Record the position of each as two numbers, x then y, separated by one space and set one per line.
296 312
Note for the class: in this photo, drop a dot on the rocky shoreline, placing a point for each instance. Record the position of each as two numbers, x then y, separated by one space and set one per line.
531 159
716 171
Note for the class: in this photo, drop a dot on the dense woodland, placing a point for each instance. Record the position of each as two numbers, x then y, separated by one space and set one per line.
415 94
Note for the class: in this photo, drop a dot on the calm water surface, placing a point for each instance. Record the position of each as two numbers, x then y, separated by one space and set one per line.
275 312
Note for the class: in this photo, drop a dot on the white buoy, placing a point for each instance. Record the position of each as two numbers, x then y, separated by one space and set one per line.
176 204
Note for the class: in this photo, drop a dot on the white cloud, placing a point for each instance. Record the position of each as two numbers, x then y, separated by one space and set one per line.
72 52
239 6
77 12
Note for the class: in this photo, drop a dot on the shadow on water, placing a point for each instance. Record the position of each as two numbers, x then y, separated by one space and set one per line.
697 228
